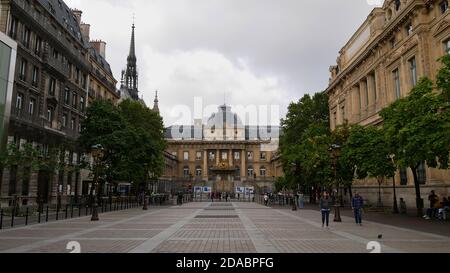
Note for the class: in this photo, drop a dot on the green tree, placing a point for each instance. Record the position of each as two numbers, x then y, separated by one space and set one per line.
304 143
132 137
367 149
443 77
417 131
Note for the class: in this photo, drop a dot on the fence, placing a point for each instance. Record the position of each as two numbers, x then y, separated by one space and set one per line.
10 218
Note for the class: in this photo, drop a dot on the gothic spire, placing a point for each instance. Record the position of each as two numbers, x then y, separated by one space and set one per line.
131 74
155 105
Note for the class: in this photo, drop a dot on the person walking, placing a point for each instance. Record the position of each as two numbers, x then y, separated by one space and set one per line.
301 200
325 204
433 198
266 200
357 206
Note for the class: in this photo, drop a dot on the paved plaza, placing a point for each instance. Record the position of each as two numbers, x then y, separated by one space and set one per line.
216 228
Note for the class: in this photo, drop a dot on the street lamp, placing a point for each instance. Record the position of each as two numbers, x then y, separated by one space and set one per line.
395 207
97 153
333 150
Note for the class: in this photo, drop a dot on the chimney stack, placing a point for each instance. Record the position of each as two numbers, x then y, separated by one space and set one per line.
100 47
85 30
77 14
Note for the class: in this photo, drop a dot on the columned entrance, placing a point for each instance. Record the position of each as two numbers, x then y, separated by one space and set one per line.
224 183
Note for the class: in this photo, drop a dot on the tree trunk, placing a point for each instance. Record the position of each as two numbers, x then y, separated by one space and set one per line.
419 201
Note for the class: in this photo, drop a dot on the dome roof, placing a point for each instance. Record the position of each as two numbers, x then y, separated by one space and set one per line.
224 118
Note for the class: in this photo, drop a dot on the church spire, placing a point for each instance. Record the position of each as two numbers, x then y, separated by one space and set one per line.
130 75
156 102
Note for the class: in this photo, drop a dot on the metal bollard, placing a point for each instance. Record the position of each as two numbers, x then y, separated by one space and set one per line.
57 212
39 216
86 211
46 215
26 218
67 209
71 212
79 210
1 219
12 217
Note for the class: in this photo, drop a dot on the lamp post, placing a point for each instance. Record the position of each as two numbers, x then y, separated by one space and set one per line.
97 153
333 150
395 209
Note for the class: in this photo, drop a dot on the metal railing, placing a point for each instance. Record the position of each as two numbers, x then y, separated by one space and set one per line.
18 217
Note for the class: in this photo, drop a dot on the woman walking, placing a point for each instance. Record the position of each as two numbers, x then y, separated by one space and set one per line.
325 208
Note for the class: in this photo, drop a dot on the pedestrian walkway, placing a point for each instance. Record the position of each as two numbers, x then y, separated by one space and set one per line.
216 228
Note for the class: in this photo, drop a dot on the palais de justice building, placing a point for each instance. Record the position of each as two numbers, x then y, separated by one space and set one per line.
223 154
398 44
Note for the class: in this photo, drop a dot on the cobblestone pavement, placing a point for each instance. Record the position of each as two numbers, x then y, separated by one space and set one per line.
216 228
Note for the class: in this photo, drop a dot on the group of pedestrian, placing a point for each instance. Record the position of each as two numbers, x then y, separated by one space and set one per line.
438 208
326 202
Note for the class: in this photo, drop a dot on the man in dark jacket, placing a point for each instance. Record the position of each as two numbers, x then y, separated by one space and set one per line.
357 206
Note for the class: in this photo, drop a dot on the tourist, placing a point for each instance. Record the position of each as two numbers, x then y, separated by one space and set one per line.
357 206
445 206
325 207
301 200
402 206
266 200
431 212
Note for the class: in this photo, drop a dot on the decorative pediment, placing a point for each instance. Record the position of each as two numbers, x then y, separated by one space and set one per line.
441 27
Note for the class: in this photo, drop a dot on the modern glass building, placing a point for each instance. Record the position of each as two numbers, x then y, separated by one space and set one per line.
8 51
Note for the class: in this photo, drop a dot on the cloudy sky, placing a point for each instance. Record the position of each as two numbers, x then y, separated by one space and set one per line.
247 53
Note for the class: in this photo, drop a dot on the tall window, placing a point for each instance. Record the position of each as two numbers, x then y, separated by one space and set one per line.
374 86
366 89
13 28
82 104
26 37
422 173
19 102
72 124
38 45
198 156
35 76
212 156
262 171
67 96
31 105
198 171
396 76
224 156
64 120
263 156
74 100
237 155
444 6
250 155
403 177
50 114
52 87
413 71
186 156
447 46
409 29
23 70
250 172
186 171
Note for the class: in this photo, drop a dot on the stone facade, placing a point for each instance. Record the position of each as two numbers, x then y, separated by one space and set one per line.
397 44
49 96
224 154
